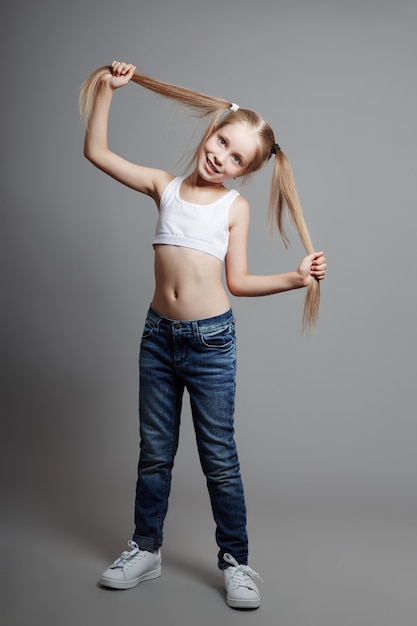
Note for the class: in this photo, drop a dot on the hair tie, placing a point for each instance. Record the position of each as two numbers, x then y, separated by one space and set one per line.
275 148
234 107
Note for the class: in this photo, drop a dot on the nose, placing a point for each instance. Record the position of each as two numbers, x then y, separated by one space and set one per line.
217 160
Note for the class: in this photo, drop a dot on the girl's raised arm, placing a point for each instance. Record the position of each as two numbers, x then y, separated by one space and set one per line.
99 87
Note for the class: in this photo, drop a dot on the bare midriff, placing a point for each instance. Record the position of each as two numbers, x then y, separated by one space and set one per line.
188 284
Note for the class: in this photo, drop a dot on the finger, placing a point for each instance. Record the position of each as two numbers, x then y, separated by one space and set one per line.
317 272
130 70
119 68
318 267
115 66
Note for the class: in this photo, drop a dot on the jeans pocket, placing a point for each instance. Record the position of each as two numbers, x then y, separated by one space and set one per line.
150 328
219 338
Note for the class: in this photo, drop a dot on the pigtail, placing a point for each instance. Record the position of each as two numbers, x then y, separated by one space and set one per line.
202 105
88 91
284 194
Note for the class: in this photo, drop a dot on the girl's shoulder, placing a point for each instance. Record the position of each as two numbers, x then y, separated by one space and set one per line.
162 180
239 210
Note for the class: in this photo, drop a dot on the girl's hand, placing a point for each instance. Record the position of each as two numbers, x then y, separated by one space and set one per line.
121 74
312 266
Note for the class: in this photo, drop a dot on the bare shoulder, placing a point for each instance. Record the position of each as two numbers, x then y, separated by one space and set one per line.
239 212
161 180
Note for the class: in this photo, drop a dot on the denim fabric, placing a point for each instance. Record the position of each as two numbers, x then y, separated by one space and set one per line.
199 356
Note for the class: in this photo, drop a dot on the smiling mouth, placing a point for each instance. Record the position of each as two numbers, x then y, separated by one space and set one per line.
211 166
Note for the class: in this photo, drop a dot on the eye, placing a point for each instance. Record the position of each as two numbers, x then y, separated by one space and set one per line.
222 141
237 160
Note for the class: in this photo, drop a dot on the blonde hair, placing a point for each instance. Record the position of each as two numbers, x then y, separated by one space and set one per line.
283 194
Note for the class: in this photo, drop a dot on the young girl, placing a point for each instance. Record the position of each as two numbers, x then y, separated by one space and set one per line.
189 336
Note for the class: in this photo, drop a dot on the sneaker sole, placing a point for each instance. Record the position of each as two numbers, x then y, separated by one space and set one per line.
243 604
129 584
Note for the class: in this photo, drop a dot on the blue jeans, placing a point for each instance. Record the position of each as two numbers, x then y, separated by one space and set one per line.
199 356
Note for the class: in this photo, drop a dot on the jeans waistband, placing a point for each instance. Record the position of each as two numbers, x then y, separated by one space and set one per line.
206 324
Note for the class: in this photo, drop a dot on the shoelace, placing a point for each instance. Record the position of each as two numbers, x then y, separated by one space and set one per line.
241 572
127 555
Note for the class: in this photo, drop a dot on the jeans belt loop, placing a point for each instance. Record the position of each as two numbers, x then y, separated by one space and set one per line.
196 331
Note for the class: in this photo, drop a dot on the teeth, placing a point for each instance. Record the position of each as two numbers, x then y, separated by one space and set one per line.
211 166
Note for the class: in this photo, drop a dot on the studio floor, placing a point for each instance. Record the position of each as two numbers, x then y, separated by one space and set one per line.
322 565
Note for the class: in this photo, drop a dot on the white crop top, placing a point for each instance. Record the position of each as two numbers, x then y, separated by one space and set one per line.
204 227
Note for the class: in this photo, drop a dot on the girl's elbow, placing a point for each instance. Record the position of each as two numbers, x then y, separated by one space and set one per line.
94 157
88 153
235 292
236 288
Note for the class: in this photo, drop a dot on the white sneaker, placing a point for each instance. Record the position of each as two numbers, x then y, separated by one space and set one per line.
241 590
132 567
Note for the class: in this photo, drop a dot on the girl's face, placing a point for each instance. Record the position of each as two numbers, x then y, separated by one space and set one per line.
227 153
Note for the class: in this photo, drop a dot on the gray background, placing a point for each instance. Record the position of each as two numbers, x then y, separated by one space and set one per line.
326 425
